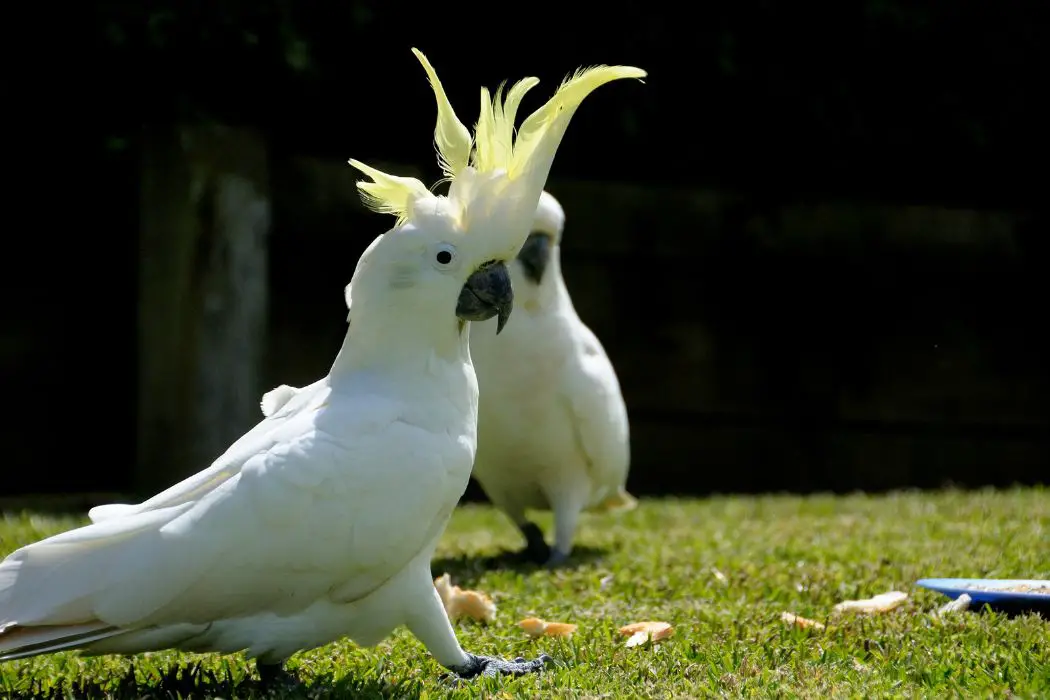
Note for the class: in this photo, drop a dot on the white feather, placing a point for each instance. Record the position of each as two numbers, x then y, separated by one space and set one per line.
275 398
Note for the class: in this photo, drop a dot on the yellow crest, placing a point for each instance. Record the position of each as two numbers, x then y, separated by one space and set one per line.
493 165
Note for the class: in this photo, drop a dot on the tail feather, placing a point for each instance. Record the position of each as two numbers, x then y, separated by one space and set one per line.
18 642
619 502
70 579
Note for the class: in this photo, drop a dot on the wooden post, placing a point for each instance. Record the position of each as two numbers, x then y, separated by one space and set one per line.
205 218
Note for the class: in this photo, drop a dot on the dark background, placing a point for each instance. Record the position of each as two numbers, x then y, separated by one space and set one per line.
859 309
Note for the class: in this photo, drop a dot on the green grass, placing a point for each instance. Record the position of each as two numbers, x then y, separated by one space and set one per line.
774 553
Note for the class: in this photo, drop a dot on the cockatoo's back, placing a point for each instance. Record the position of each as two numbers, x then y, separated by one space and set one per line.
229 463
218 555
590 386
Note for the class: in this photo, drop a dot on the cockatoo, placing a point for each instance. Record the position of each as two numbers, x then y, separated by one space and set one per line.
552 424
321 521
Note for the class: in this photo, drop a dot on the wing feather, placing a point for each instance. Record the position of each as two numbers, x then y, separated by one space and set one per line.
263 436
304 517
592 392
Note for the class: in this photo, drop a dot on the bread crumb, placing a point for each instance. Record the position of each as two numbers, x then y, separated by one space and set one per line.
804 623
464 603
639 633
884 602
535 627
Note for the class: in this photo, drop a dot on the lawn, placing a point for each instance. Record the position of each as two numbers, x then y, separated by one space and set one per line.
721 570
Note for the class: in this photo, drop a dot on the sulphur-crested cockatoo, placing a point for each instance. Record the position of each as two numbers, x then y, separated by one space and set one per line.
321 521
552 424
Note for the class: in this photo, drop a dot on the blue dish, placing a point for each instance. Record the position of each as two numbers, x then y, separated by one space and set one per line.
990 590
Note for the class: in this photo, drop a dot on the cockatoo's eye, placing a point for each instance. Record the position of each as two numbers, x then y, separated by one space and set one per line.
444 256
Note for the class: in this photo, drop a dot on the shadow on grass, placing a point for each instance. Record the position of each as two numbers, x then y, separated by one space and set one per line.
466 569
190 681
1013 610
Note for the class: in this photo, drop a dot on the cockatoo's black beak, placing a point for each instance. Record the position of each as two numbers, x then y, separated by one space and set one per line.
487 293
535 255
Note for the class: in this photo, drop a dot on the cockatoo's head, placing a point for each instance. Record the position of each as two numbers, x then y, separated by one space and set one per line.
448 253
536 254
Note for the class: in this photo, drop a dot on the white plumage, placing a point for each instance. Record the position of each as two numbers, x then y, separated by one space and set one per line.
321 521
553 432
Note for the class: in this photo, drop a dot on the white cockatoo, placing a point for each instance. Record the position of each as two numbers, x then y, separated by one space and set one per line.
552 424
320 522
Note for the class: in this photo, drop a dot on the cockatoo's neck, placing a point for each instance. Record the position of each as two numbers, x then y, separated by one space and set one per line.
388 342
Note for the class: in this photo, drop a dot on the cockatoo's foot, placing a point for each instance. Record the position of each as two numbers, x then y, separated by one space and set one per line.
536 549
275 676
492 666
557 558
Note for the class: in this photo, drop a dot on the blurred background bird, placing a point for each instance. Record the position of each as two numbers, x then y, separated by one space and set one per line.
553 432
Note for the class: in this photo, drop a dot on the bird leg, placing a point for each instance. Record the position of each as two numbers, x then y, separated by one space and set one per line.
429 622
566 509
536 548
557 558
275 676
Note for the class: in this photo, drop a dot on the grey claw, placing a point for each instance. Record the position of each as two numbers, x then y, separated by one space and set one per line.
491 666
556 559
